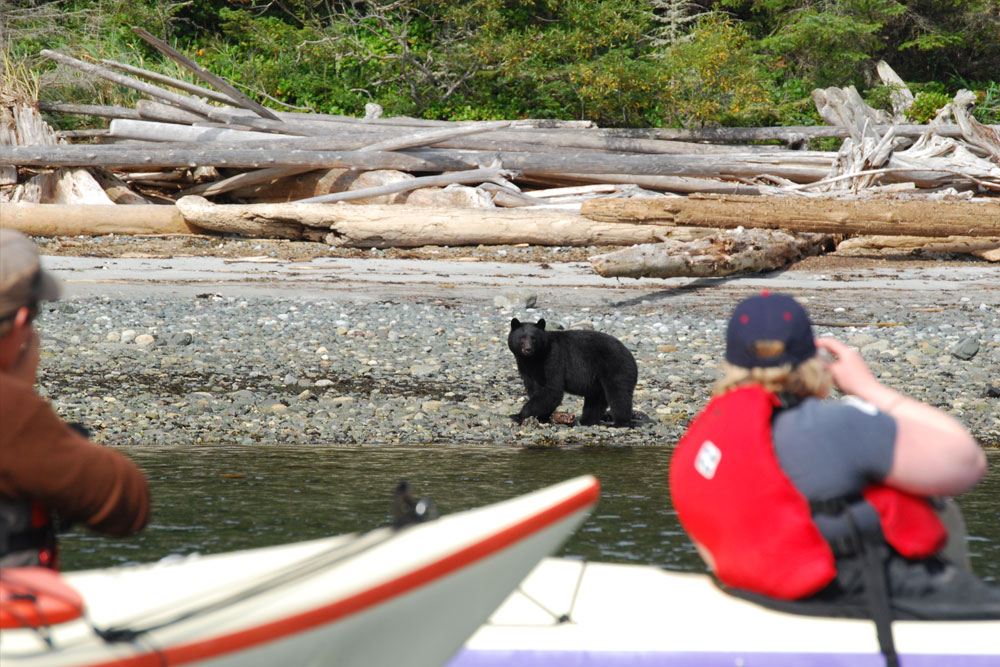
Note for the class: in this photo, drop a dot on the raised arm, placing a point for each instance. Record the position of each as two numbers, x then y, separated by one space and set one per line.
934 453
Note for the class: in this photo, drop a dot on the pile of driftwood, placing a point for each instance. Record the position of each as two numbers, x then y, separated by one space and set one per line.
703 202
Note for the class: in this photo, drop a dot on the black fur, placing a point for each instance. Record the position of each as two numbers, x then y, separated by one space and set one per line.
581 362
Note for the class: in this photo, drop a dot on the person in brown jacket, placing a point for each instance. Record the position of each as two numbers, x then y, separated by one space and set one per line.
46 466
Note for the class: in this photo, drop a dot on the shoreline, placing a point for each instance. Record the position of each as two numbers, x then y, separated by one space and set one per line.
411 351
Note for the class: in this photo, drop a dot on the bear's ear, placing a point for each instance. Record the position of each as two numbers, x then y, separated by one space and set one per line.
514 323
541 323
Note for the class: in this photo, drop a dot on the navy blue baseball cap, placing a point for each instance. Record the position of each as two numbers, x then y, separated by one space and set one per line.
769 330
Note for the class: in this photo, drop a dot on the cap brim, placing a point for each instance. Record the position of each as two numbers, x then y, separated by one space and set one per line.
49 287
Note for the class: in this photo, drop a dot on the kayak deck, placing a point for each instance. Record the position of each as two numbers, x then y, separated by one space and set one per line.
637 615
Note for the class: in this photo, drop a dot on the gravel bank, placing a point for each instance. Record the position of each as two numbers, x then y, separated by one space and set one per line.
415 371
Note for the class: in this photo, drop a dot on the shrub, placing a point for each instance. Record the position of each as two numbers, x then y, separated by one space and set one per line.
926 105
716 78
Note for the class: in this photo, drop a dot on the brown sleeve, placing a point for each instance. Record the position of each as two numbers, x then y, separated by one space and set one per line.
43 459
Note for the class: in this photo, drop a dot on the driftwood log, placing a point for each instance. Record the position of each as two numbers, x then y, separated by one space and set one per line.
984 248
783 133
77 220
830 216
797 166
149 110
349 136
373 226
723 253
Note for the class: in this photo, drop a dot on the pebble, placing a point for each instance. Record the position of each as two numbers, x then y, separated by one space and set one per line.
417 371
966 348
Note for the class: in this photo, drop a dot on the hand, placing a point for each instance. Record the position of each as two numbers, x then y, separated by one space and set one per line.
849 371
24 367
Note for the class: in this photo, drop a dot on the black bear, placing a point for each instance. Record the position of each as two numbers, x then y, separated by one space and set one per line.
582 362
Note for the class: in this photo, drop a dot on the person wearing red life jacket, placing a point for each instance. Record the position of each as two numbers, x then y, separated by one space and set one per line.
811 504
46 466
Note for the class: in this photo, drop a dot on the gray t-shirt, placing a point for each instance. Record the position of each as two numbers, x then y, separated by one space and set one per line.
834 448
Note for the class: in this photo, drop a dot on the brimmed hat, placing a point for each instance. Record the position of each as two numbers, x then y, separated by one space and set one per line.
22 280
769 330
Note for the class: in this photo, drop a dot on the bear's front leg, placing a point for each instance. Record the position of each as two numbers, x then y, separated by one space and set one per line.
540 404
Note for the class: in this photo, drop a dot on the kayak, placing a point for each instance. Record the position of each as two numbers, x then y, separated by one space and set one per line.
572 612
408 596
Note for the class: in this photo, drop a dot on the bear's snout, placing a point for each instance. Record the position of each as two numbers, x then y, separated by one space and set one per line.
527 347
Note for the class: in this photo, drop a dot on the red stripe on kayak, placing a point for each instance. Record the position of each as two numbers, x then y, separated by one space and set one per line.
303 621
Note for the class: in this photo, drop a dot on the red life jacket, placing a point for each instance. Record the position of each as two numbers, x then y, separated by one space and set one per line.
733 499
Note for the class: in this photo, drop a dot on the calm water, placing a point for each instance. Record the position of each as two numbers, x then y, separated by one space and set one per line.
219 499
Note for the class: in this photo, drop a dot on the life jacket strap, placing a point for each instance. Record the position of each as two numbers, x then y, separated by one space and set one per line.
872 549
869 545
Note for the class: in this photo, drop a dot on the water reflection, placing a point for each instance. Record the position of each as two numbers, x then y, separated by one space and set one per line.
219 499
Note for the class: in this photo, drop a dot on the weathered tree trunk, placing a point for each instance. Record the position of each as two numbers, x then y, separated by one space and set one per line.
398 226
453 227
721 254
183 156
351 136
831 216
783 133
797 166
99 110
566 129
984 248
72 220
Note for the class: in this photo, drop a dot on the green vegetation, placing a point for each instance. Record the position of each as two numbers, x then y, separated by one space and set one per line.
628 63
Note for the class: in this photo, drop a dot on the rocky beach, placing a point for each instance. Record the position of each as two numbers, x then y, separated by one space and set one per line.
278 344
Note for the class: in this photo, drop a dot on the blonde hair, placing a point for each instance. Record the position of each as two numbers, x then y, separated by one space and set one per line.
810 378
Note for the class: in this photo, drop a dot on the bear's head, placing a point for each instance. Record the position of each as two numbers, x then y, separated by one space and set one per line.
526 339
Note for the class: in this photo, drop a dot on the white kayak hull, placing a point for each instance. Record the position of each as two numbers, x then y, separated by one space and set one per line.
639 615
408 597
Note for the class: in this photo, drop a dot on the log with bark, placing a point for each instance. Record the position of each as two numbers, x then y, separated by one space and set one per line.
724 253
915 217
